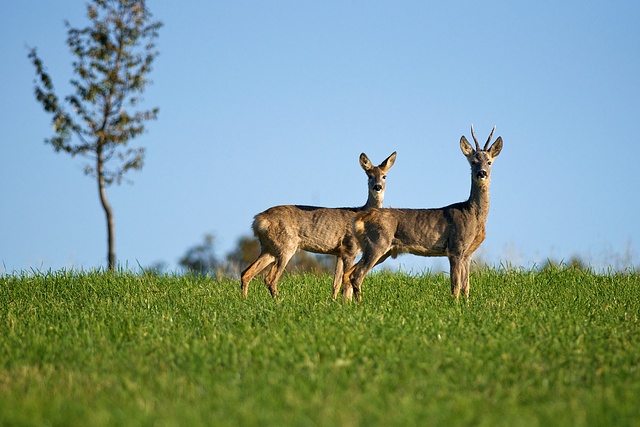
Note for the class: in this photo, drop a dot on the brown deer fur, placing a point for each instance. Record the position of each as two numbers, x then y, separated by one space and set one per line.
282 230
453 231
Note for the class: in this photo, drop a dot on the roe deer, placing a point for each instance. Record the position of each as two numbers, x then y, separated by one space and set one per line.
282 230
454 231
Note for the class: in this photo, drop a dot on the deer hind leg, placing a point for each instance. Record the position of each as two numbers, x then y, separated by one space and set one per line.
347 288
337 277
346 262
276 271
370 258
263 261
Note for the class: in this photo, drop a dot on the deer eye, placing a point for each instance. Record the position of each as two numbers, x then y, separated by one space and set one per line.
384 176
489 162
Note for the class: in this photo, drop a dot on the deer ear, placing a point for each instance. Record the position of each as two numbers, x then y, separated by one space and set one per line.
496 147
466 148
388 162
365 162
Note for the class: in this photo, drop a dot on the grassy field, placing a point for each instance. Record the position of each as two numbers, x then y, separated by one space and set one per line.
530 348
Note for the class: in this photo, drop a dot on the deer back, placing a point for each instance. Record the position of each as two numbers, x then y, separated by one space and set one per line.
314 229
426 232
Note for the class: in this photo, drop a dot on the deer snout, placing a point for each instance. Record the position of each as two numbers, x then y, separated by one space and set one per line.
377 188
482 174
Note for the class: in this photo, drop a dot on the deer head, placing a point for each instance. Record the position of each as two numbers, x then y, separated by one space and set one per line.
481 159
377 175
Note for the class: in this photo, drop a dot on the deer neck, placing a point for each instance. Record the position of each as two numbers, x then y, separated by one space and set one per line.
374 200
479 198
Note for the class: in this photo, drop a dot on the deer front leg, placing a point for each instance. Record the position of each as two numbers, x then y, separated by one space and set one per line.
455 274
464 276
347 264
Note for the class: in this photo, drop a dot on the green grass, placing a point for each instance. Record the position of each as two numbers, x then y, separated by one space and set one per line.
553 348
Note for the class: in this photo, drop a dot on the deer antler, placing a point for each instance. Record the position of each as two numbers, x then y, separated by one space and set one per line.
473 134
489 139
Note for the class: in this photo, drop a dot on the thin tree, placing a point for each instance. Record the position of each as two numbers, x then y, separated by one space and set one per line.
113 56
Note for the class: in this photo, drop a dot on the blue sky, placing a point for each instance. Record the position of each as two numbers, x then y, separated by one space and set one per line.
267 103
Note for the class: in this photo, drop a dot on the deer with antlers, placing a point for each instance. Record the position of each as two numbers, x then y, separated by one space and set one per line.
454 231
282 230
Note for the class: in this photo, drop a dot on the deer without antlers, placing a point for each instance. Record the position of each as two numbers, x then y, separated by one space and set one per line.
454 231
284 229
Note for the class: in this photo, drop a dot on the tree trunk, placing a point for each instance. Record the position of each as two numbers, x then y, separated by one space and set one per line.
111 230
111 245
